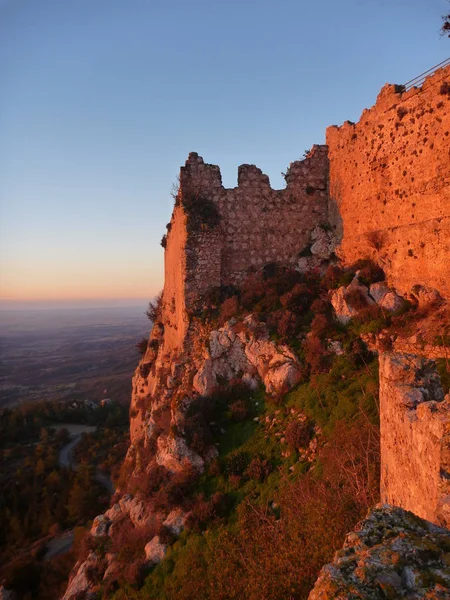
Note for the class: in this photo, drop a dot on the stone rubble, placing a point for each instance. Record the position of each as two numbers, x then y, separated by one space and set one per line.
378 293
393 554
247 354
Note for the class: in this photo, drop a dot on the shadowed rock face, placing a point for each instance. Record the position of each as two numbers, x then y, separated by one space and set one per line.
81 583
163 393
393 554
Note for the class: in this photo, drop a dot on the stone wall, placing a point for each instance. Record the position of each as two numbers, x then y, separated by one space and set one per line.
257 225
390 184
217 235
175 272
415 437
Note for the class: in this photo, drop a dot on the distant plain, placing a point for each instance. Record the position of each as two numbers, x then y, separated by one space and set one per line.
69 354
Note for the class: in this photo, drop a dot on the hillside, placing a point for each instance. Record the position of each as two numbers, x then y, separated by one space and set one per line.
299 356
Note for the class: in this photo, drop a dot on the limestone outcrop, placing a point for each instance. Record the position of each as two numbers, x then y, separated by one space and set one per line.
248 354
392 554
155 550
348 300
82 583
162 395
415 437
323 242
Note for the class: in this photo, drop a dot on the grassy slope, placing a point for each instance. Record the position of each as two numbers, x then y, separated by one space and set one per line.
337 396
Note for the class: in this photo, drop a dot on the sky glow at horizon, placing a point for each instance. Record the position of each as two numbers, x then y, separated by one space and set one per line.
102 100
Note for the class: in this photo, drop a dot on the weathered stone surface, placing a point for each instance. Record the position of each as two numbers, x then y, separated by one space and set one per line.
204 379
378 293
134 508
173 453
114 512
175 521
155 551
415 440
343 306
100 526
247 354
137 511
113 568
324 243
389 185
125 502
393 554
81 583
385 297
425 296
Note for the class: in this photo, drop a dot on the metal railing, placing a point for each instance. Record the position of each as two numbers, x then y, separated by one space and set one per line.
417 81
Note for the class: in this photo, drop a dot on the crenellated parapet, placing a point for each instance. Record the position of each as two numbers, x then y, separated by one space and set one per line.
218 235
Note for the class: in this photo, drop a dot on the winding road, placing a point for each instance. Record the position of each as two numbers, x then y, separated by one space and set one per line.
63 543
66 459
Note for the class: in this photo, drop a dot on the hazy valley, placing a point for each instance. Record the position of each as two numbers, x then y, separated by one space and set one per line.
68 354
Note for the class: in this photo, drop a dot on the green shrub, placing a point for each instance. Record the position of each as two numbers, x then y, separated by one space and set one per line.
201 211
259 468
237 463
142 346
298 434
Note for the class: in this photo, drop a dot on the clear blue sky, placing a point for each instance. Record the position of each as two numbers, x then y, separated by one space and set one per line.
102 100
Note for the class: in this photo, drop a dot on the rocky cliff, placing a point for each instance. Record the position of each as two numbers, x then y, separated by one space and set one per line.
392 554
415 434
389 201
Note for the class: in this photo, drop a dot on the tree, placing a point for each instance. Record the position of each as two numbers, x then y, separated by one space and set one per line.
154 308
142 346
446 25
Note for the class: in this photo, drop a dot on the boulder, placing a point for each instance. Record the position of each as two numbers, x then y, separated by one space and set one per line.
100 526
282 377
385 297
341 299
204 379
175 521
173 453
155 551
81 584
392 554
277 366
